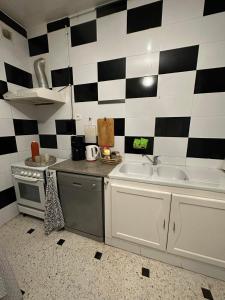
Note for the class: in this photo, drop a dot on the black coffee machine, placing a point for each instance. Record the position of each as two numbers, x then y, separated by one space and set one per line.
78 147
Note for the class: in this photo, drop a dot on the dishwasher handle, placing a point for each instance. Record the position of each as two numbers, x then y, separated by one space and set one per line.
77 184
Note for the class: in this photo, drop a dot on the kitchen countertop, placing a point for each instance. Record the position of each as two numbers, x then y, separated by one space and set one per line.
95 168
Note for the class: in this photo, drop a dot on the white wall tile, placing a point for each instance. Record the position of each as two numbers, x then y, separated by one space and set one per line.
7 213
116 110
83 54
86 109
119 144
140 126
211 104
64 154
170 146
24 142
207 127
85 74
37 30
140 107
112 89
114 25
64 142
2 70
5 109
144 41
83 18
211 55
111 49
6 127
179 10
176 84
173 106
137 3
202 162
142 65
193 32
59 45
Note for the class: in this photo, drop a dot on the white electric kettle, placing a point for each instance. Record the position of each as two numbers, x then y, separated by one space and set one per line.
92 152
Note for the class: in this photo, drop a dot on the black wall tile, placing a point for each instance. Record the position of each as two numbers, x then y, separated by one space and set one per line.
3 88
38 45
119 127
111 8
18 76
213 7
62 77
112 69
206 148
65 127
8 145
136 89
11 23
178 60
59 24
129 140
172 126
48 141
84 33
7 197
86 92
144 17
210 81
25 127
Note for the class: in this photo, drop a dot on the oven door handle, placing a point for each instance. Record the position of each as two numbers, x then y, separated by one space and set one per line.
28 179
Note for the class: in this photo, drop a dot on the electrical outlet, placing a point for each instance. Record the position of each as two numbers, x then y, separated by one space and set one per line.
78 117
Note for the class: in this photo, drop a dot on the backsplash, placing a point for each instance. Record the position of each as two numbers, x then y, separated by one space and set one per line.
160 74
18 126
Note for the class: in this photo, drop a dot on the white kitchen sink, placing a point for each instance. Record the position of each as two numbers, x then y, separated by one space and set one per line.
137 169
174 173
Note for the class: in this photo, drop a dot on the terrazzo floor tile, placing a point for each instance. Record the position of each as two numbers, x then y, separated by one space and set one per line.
46 270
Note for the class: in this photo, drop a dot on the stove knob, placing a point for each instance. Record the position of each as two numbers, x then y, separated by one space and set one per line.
34 174
29 174
38 175
25 173
22 173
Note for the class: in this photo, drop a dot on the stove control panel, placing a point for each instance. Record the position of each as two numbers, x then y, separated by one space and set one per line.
23 172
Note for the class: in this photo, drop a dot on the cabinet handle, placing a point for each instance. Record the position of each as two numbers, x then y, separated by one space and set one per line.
174 227
164 224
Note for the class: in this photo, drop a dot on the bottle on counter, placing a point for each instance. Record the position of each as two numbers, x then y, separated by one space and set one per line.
34 150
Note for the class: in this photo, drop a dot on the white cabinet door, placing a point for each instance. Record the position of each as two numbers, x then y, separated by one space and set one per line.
197 229
140 215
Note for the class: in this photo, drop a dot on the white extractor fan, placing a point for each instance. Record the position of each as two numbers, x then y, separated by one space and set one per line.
38 96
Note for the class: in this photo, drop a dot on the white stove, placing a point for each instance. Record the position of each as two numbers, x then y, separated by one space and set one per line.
30 187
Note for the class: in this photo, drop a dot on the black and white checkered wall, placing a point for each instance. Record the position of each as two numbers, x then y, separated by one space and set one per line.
18 124
156 66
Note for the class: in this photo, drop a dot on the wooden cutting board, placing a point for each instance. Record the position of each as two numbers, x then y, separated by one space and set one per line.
105 132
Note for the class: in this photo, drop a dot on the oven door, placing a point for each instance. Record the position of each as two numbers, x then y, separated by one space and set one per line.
30 191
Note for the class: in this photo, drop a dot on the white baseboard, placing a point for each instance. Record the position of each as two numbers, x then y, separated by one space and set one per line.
165 257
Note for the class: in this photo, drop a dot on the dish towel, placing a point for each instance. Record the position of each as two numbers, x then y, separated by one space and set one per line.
9 289
53 218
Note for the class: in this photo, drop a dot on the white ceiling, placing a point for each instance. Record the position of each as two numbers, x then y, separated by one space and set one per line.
33 12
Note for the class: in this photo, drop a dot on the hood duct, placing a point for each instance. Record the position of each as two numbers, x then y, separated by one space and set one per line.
39 68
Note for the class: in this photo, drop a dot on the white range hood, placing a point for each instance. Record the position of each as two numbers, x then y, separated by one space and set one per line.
36 96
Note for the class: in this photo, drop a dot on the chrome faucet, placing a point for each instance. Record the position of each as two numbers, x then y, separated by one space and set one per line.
154 161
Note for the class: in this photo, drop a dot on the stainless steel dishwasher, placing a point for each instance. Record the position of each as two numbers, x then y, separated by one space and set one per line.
81 198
